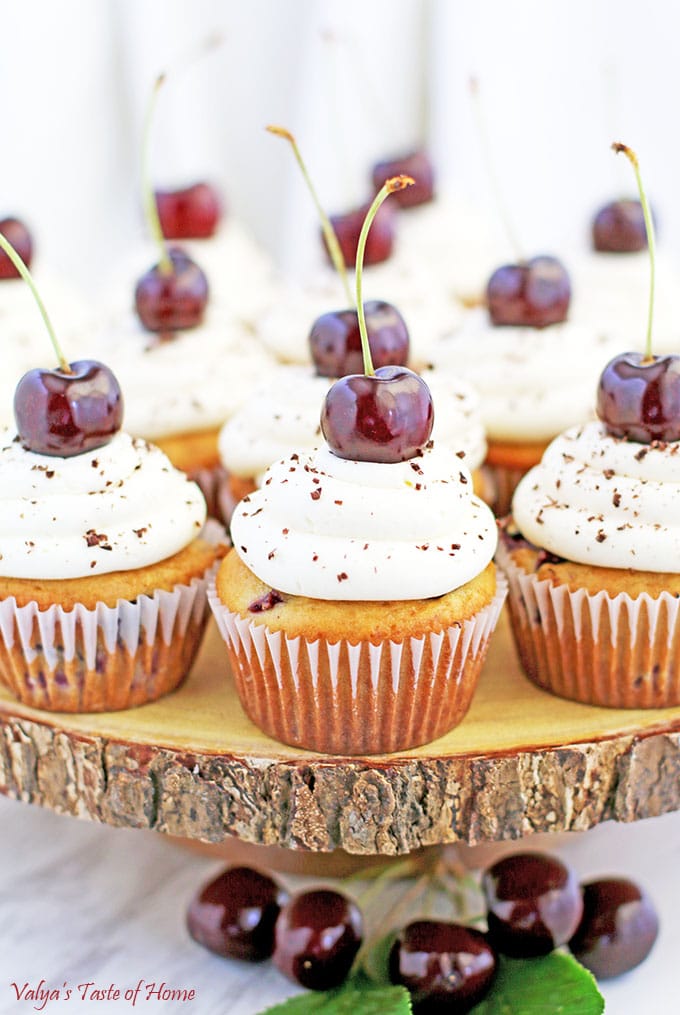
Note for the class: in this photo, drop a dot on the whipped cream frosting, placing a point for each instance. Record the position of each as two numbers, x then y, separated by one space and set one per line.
602 500
330 528
280 416
532 382
457 415
119 507
194 381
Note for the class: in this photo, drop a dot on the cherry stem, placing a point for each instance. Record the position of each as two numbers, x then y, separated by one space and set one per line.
490 164
28 279
389 187
326 224
651 241
150 203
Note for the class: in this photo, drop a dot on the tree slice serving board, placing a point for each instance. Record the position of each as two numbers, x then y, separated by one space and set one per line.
193 765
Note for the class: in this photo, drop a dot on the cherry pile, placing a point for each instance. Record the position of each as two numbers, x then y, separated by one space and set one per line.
533 905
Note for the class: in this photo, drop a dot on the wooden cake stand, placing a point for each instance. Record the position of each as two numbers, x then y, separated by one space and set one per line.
193 765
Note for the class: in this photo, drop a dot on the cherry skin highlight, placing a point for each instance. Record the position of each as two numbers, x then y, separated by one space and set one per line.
534 904
335 339
532 294
416 164
618 928
639 398
619 228
318 934
235 914
172 301
380 239
65 414
446 967
18 235
189 213
386 417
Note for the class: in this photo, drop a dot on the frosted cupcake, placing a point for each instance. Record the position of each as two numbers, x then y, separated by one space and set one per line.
533 381
611 282
593 549
104 554
359 599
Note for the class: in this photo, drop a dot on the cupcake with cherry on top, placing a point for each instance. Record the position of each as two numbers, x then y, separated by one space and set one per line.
360 596
104 552
592 550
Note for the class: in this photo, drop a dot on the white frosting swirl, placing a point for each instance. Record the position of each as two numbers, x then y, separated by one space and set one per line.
457 415
330 528
602 500
194 381
120 507
532 382
281 416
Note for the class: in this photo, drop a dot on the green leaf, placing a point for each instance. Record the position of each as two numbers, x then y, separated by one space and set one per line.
553 985
375 961
351 999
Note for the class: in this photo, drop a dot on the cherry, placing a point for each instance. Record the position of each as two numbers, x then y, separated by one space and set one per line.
639 398
172 299
18 235
66 412
386 417
445 966
381 239
318 933
534 904
618 927
190 213
416 164
619 228
335 339
533 293
234 914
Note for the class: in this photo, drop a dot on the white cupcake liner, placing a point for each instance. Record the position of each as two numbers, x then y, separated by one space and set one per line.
108 657
617 651
212 482
344 698
499 485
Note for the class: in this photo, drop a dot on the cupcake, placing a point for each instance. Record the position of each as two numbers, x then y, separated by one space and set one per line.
532 381
592 554
611 281
104 559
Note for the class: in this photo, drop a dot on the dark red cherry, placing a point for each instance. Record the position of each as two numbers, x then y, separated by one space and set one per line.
64 414
318 933
380 239
639 398
175 300
235 914
190 213
387 417
18 235
619 228
446 967
534 294
416 164
618 927
534 904
335 340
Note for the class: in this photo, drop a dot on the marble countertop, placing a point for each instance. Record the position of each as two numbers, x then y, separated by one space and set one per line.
83 903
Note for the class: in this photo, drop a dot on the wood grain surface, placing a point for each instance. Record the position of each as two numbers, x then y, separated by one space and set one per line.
193 765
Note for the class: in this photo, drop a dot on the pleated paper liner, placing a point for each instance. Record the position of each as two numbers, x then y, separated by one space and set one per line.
620 651
343 698
499 483
109 657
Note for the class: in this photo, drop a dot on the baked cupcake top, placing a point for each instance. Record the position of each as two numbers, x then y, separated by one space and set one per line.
331 528
532 382
194 381
604 500
119 507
